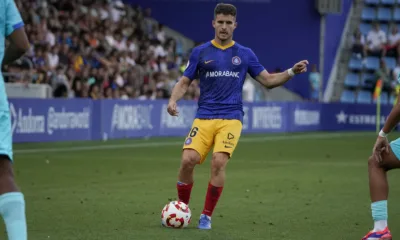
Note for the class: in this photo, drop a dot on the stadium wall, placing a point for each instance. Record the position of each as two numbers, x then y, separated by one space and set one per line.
264 26
45 120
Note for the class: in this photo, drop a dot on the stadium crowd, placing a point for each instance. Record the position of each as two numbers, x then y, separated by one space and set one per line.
378 43
98 49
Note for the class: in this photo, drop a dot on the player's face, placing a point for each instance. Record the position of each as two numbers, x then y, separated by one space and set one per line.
224 26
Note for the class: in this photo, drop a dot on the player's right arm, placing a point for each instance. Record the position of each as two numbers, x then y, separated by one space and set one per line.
178 92
183 84
19 43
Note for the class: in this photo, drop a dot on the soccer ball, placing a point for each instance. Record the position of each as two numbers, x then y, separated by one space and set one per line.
176 214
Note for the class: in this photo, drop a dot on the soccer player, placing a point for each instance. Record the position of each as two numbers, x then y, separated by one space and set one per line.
221 65
12 203
385 156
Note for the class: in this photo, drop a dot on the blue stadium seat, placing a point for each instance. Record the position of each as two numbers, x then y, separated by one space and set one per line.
388 2
384 98
396 14
365 28
364 97
384 14
372 2
368 80
390 62
348 97
355 64
372 63
368 14
352 80
384 27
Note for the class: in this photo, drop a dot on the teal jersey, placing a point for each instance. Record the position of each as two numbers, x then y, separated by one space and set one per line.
10 20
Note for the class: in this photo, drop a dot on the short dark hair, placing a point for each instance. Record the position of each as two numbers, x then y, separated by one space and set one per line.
226 9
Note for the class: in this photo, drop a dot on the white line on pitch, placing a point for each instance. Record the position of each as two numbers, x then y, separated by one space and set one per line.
173 143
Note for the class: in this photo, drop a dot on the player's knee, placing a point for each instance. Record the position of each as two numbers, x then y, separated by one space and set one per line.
219 161
6 170
373 163
190 158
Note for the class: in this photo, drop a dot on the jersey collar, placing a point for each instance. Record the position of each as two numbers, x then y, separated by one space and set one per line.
217 45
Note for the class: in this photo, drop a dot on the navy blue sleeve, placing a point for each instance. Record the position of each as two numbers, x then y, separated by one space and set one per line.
254 66
191 68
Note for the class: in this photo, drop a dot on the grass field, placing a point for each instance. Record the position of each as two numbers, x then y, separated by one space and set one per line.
292 187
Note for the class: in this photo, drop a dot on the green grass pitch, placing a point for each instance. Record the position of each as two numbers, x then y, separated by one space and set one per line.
292 187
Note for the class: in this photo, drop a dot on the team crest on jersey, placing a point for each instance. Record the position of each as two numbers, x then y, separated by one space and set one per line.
236 60
188 141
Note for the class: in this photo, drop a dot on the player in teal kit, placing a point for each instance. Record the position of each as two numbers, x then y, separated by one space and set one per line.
385 156
12 203
221 66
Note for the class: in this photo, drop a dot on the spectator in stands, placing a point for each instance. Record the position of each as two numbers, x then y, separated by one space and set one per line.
359 44
376 41
393 44
52 58
315 83
384 73
101 49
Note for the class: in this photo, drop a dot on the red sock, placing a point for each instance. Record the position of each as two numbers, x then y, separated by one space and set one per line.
213 194
184 191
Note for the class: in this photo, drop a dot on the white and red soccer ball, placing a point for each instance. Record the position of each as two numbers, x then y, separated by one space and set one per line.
176 214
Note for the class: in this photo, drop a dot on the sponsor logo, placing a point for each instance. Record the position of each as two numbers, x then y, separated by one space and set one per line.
222 74
306 117
131 117
357 119
267 117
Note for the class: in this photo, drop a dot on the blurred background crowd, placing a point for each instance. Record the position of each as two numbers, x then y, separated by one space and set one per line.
98 49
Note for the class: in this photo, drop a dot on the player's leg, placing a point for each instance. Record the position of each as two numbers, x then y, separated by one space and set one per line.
184 186
12 202
195 150
226 140
379 190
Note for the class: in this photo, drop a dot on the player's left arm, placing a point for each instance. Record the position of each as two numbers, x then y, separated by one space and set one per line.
382 143
19 43
277 79
258 72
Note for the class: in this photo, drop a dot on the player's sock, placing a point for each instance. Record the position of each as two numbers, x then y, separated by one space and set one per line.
212 197
184 191
380 215
12 209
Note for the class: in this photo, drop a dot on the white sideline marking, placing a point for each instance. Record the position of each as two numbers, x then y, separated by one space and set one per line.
173 143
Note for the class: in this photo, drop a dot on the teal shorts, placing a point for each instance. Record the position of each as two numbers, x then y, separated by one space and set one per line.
5 134
395 146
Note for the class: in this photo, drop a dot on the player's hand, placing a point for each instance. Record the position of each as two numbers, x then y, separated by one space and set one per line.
300 67
172 108
381 145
